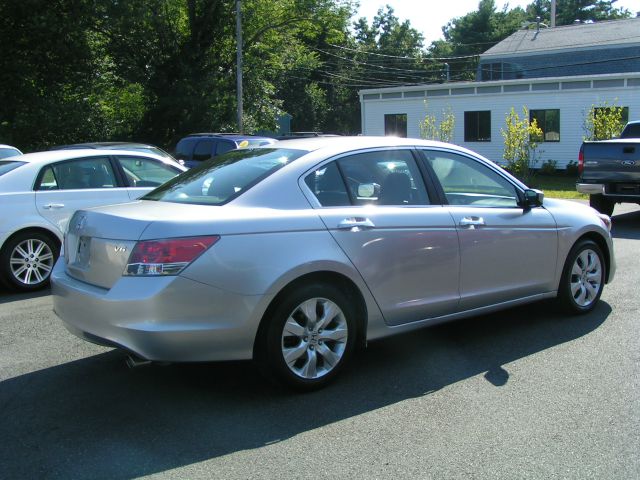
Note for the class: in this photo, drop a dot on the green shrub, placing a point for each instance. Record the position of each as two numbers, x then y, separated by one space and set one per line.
572 169
549 167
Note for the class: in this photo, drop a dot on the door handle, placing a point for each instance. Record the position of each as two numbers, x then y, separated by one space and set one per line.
472 222
50 206
355 224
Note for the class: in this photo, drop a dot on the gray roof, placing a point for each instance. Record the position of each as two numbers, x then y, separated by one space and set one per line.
584 35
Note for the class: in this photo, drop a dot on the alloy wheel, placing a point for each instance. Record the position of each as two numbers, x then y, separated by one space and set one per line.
314 338
31 261
586 277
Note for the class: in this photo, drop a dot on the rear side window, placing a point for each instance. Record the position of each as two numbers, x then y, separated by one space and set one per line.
204 150
7 166
386 177
184 148
224 177
94 172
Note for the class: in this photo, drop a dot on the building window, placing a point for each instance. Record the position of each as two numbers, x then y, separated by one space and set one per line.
492 71
549 122
477 126
395 124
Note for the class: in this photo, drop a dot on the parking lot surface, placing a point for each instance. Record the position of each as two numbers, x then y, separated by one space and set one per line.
525 393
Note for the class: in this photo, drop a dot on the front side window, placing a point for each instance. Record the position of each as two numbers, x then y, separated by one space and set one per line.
386 177
146 172
94 172
224 177
477 126
468 182
395 124
549 122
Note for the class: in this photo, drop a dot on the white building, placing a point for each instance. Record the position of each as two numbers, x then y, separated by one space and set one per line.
559 104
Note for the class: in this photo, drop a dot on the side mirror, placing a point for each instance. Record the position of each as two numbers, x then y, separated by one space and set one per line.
532 198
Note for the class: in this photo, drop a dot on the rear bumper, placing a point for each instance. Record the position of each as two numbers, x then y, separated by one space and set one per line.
168 319
590 188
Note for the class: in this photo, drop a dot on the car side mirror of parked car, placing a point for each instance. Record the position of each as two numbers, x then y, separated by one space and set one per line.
532 198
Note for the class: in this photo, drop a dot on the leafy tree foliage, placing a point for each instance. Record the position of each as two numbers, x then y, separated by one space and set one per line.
83 70
568 11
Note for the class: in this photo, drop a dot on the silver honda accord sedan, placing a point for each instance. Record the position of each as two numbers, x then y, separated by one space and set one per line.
295 253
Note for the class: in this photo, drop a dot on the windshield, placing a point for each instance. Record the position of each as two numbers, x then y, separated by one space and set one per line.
7 166
224 177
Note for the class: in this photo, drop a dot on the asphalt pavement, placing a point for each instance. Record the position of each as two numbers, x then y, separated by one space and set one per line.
525 393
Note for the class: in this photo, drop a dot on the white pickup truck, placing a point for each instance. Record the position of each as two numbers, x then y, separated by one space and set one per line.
610 170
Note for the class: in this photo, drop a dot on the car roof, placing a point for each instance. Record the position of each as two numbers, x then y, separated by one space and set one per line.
354 143
57 155
2 145
232 136
104 145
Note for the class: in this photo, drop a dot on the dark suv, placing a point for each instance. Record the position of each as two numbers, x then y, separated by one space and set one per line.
199 147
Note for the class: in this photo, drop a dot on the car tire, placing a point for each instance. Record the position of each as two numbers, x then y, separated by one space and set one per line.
602 204
309 337
27 259
583 278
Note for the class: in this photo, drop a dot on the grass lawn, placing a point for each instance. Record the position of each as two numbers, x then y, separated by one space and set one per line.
557 186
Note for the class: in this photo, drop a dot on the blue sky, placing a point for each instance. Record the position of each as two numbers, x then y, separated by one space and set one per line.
428 16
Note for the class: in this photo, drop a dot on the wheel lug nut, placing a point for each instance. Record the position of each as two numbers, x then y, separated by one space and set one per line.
306 339
311 347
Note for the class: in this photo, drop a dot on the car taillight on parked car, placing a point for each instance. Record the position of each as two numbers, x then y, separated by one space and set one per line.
167 256
581 161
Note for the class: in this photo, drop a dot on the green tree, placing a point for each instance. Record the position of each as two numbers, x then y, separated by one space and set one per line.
520 143
604 121
431 129
466 37
568 11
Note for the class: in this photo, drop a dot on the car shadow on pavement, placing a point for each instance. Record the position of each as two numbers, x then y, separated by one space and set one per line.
626 225
94 418
7 296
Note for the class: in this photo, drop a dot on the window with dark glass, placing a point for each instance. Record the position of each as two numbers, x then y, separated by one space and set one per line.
549 122
477 126
491 71
94 172
204 150
395 124
385 177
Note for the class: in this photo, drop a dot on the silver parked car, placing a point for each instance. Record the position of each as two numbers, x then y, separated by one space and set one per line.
294 253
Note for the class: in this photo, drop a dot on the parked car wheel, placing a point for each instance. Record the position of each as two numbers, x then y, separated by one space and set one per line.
602 204
309 338
27 259
583 278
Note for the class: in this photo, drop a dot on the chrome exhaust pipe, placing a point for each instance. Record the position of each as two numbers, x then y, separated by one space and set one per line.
135 362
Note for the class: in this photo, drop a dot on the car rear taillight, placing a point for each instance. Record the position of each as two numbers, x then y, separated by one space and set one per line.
581 161
166 257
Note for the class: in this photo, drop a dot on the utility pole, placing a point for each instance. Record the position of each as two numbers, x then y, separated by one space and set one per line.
239 63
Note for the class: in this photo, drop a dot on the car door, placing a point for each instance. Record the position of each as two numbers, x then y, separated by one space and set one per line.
143 174
376 207
64 187
506 252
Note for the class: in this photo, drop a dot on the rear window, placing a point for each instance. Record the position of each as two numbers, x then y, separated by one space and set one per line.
632 130
7 166
225 177
9 152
